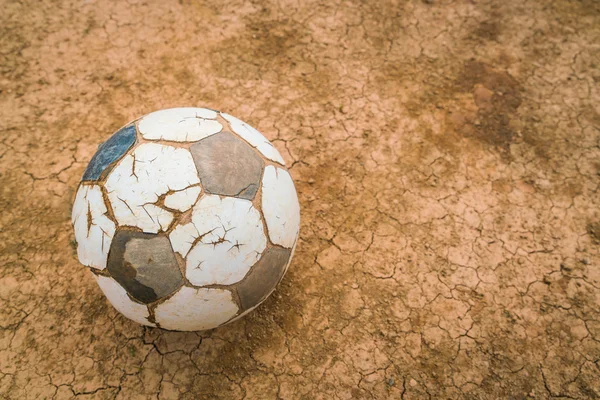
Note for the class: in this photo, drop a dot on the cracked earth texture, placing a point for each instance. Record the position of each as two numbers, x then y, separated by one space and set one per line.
446 156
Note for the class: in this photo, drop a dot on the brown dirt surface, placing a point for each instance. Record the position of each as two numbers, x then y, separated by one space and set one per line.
447 160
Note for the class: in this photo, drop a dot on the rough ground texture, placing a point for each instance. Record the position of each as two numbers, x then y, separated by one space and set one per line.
446 156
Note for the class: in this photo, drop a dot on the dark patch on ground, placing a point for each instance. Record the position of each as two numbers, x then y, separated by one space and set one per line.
264 48
488 30
593 229
496 96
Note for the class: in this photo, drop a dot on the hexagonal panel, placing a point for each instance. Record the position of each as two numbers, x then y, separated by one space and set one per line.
148 172
184 124
193 309
224 238
94 230
117 296
145 265
280 206
227 165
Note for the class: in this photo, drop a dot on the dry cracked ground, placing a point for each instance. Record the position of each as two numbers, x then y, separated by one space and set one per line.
447 160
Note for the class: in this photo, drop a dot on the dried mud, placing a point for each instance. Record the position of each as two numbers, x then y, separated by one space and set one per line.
446 156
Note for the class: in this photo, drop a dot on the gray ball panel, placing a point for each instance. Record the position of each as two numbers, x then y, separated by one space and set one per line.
227 165
145 265
263 277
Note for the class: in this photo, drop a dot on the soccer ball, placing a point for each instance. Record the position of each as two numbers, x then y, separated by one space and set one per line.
187 219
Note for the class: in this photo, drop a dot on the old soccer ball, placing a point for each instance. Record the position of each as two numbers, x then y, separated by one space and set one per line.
187 219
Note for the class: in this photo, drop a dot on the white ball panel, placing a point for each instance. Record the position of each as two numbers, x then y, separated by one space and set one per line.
196 309
182 238
93 239
231 240
185 124
183 199
117 296
280 206
142 177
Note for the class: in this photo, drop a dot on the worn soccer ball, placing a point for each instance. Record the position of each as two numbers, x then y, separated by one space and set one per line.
187 218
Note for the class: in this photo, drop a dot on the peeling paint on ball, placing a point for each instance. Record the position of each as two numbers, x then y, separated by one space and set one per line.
187 218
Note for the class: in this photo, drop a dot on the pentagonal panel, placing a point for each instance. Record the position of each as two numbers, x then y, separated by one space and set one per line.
145 265
263 277
109 152
227 165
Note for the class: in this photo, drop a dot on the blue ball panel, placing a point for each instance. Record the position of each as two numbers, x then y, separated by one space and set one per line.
109 152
